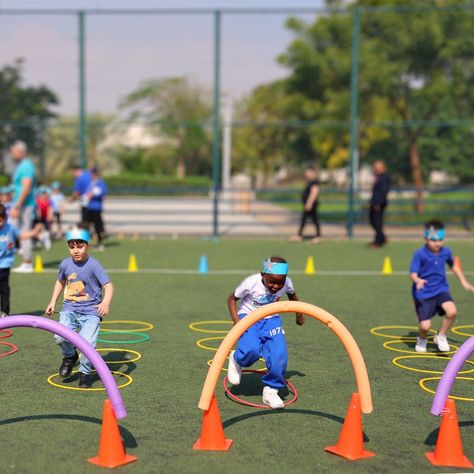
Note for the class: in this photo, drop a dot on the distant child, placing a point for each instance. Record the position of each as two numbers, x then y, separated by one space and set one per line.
43 216
7 198
430 285
57 203
265 338
82 277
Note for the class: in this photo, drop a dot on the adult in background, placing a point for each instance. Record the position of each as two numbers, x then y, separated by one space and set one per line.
378 202
95 196
82 180
309 198
22 211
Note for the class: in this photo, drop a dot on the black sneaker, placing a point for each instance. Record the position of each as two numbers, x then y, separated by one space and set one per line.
85 380
67 365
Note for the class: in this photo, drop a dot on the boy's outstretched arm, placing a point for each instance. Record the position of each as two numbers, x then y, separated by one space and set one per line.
231 304
299 316
57 290
462 279
103 307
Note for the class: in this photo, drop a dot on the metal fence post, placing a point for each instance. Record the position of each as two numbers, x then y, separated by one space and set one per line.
216 142
82 92
353 151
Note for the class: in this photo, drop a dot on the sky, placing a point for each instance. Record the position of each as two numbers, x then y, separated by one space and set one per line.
123 50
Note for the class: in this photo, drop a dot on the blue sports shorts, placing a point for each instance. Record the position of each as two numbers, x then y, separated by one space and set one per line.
426 309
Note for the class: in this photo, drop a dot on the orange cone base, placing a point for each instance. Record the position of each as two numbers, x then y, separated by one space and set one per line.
126 460
349 456
225 447
462 462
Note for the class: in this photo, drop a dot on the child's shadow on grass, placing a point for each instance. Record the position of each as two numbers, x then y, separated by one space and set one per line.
128 438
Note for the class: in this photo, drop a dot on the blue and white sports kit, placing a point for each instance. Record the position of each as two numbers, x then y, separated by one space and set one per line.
266 337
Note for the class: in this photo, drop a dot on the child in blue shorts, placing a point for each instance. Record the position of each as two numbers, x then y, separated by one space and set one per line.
82 277
430 285
266 337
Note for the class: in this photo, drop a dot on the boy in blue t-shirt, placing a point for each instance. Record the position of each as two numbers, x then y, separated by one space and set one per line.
430 286
82 277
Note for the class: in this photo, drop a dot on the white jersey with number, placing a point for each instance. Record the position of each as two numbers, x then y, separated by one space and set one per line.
253 294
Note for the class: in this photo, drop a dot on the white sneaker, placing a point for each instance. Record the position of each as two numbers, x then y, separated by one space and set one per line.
24 268
270 397
421 344
234 371
442 342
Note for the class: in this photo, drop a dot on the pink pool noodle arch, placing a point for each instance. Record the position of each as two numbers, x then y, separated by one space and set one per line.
100 366
449 375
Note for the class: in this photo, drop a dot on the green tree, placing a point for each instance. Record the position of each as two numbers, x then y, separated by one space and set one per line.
177 112
24 110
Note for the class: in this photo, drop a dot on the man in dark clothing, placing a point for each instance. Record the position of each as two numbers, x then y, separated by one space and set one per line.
378 202
309 198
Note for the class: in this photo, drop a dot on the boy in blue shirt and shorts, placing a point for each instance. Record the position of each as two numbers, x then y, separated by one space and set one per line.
82 278
430 286
266 337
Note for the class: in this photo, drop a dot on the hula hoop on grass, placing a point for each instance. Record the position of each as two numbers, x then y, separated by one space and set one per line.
263 369
129 380
8 333
144 337
138 356
376 332
456 330
8 344
396 362
207 348
233 397
387 345
148 326
195 327
453 397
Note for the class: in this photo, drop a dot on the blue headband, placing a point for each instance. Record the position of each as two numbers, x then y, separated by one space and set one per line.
78 234
274 268
435 234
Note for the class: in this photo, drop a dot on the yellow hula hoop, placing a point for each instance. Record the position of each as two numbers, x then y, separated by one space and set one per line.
138 356
376 332
54 384
387 345
455 330
207 348
453 397
263 369
424 371
148 326
194 327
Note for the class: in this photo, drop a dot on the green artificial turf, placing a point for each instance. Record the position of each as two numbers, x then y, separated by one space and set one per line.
47 429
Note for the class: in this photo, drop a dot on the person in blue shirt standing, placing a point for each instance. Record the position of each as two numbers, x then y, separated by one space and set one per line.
82 278
22 211
82 180
430 288
95 195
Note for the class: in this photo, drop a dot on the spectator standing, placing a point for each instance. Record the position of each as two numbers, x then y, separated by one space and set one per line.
82 180
378 202
95 196
57 203
22 212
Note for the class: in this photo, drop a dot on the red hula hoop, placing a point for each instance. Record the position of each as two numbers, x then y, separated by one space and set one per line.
8 333
256 405
12 351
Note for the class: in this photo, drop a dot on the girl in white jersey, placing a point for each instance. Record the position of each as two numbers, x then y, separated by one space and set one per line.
265 338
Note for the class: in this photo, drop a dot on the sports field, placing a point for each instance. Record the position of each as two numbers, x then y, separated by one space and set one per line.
48 429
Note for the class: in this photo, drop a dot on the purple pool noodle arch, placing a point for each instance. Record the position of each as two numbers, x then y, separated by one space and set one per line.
74 338
449 375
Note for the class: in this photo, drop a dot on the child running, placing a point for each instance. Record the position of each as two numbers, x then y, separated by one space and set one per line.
82 277
430 286
266 337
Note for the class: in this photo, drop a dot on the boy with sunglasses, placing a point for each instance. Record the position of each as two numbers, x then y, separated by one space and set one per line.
430 286
82 278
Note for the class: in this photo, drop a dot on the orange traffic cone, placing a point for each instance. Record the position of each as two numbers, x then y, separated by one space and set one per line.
111 449
212 433
351 440
448 450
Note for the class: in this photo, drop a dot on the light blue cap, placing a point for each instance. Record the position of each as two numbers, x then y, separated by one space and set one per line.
55 185
435 234
78 234
274 268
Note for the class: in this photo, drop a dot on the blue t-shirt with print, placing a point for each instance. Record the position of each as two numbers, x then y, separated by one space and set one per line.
8 236
24 169
431 267
84 282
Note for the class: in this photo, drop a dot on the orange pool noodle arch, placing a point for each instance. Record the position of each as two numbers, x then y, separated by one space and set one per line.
360 371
